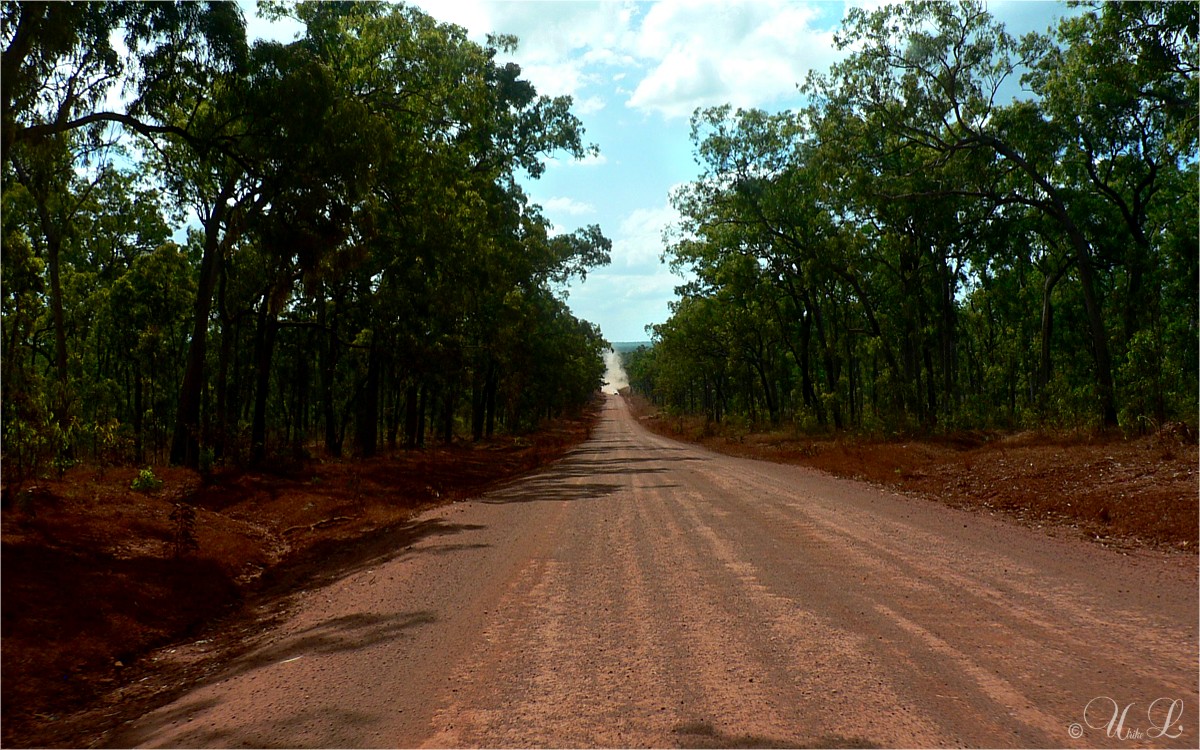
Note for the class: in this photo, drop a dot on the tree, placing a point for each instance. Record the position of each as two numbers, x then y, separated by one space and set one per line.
931 73
59 63
932 258
372 259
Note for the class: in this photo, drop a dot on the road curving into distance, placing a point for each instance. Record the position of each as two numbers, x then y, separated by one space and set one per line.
645 592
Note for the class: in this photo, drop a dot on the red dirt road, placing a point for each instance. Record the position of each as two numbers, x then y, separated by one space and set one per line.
644 592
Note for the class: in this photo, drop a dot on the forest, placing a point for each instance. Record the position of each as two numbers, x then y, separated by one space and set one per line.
360 266
918 249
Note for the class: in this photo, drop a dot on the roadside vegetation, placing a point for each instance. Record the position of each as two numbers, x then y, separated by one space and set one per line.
912 254
361 267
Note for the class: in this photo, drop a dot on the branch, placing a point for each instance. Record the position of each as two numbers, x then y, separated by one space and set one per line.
37 132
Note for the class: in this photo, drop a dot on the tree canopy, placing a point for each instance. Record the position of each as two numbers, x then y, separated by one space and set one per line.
909 252
361 263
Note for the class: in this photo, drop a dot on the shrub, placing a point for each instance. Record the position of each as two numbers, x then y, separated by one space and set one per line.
183 516
146 481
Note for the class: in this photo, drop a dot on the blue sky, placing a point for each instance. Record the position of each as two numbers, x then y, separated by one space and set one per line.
636 71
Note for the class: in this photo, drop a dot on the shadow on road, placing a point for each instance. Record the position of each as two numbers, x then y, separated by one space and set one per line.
704 735
322 726
239 642
595 470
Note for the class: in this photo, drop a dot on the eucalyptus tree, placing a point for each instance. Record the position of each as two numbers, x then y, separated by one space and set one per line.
930 74
61 65
1122 80
65 75
764 193
46 172
941 257
436 238
118 225
384 230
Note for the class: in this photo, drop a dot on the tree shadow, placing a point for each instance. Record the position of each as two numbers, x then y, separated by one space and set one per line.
324 726
237 642
341 634
592 471
701 734
330 560
337 635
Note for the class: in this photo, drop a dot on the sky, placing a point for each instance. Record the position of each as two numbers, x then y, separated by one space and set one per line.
636 71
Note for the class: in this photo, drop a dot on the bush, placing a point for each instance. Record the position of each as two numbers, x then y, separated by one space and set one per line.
146 481
183 516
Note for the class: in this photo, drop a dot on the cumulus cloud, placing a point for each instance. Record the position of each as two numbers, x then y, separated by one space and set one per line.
670 57
591 160
638 243
745 53
623 304
560 43
636 288
568 206
590 105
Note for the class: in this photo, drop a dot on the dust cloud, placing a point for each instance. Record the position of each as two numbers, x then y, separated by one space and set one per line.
614 374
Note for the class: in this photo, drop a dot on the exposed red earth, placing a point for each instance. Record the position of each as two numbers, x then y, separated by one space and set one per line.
91 582
647 592
1127 493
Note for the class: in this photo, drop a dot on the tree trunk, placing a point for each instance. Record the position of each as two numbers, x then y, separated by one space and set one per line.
1055 207
185 443
224 400
328 363
52 231
1045 364
490 399
139 444
300 409
366 425
393 419
829 357
477 404
948 337
264 346
1099 332
410 415
768 392
448 414
421 416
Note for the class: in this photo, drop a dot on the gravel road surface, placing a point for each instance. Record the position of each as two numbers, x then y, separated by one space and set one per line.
645 592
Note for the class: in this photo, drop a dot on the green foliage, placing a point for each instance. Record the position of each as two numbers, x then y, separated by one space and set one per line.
146 481
909 254
370 268
207 461
30 440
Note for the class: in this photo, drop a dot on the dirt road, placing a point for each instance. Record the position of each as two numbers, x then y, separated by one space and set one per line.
648 593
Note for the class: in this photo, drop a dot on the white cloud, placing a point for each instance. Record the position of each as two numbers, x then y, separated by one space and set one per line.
590 160
473 15
674 55
568 206
622 304
638 244
744 53
590 105
560 42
